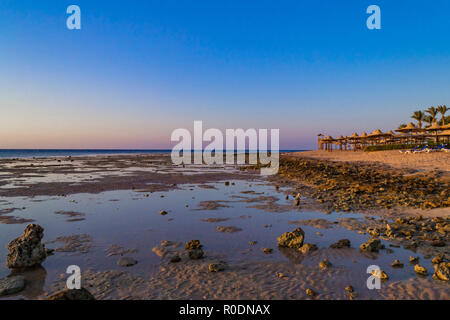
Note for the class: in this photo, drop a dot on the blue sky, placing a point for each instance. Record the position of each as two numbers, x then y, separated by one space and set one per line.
139 69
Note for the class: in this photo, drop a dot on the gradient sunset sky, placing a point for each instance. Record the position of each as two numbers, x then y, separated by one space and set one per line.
137 70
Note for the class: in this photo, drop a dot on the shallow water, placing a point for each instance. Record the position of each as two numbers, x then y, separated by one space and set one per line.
132 220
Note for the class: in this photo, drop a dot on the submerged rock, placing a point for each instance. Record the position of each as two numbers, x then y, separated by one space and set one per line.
175 259
349 289
311 292
267 250
413 259
216 267
397 264
420 270
193 244
343 243
373 245
324 264
308 247
196 254
380 274
292 239
442 271
126 262
72 294
11 285
27 250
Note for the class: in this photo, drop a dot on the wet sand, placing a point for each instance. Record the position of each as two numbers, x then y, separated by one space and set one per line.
96 210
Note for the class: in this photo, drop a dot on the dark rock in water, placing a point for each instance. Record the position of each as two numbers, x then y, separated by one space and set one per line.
72 294
324 264
163 213
27 250
308 247
196 254
193 244
126 262
292 239
343 243
175 259
216 267
373 245
438 259
349 289
413 259
397 264
420 270
311 292
11 285
267 250
442 271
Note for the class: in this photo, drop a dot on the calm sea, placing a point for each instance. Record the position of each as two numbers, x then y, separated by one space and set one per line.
42 153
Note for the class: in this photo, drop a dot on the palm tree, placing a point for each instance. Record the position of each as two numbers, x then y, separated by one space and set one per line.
428 120
432 111
442 110
418 116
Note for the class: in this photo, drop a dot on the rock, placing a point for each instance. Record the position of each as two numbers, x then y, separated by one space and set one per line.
349 289
175 259
324 264
267 250
227 183
195 254
413 259
228 229
281 275
438 243
252 243
311 292
442 271
308 247
343 243
163 213
193 244
420 270
373 245
438 259
27 251
292 239
397 264
216 267
72 294
126 262
11 285
380 274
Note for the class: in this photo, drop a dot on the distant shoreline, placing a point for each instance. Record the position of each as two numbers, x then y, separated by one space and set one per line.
46 153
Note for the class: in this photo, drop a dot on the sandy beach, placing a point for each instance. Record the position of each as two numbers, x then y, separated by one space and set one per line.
422 162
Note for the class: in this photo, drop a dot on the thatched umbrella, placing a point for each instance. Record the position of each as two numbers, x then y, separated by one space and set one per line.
319 141
354 140
378 134
434 128
340 141
363 138
410 128
446 134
